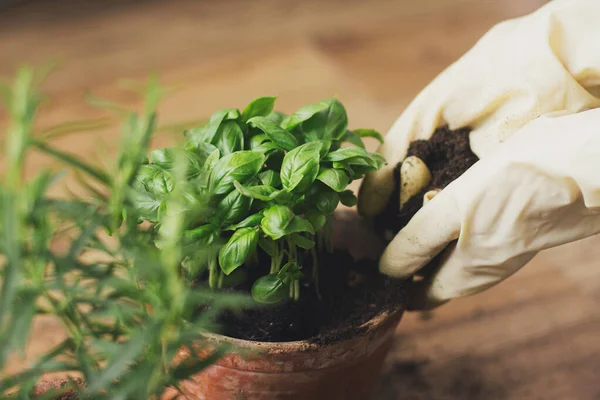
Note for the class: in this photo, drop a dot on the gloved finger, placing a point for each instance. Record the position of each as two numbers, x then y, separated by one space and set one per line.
427 234
375 191
457 276
418 291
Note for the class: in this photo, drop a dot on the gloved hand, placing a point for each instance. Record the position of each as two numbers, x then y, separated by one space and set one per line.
537 190
540 189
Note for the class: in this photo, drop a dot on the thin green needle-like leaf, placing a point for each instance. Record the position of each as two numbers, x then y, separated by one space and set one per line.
128 353
73 161
67 128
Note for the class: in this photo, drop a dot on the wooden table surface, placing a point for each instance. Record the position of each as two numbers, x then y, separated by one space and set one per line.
536 336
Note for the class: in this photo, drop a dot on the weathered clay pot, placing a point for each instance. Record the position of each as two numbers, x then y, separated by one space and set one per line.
347 369
62 386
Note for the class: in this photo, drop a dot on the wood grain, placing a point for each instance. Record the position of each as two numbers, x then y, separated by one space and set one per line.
533 337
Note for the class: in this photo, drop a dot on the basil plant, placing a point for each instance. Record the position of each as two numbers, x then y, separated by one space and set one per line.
258 181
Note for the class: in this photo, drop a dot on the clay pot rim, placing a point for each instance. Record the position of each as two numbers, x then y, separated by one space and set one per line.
306 344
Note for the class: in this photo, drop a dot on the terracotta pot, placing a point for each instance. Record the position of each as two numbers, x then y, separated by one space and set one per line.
61 386
346 369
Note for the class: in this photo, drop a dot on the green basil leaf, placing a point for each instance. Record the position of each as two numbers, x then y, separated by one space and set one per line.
260 192
257 140
210 154
201 181
240 166
211 160
334 178
162 211
302 242
315 189
357 167
303 114
150 188
199 254
154 179
229 137
260 107
353 138
378 159
203 150
337 120
201 242
373 160
278 135
269 246
195 203
276 220
328 124
225 114
241 244
352 162
327 201
204 234
290 272
162 181
165 158
355 153
250 222
297 225
335 145
281 196
348 198
270 178
194 136
207 133
369 133
269 289
300 166
316 219
344 166
233 208
267 148
277 117
146 204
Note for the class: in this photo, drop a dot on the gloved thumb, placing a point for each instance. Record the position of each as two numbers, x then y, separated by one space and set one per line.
375 191
431 229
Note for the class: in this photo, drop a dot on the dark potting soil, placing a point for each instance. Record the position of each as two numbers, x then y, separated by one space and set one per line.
447 154
352 292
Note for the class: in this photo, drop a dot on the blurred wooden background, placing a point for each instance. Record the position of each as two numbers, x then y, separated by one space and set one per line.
536 336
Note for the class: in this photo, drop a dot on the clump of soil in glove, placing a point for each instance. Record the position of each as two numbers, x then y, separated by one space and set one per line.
447 154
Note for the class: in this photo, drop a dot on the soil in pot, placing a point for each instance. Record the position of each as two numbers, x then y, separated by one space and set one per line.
351 293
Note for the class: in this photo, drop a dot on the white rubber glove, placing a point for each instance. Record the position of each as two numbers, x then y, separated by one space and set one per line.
539 189
521 69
